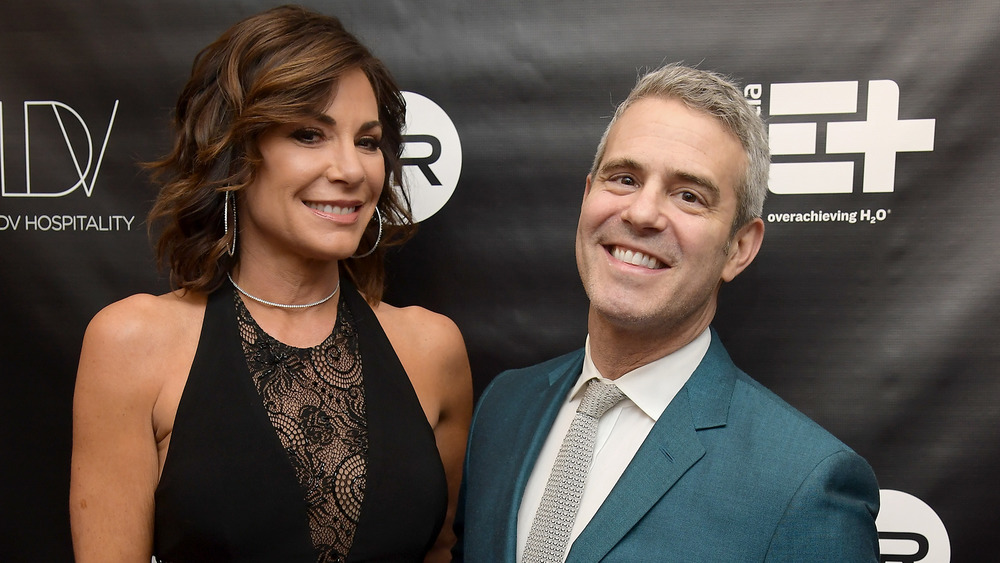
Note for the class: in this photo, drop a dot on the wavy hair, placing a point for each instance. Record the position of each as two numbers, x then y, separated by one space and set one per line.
276 67
719 97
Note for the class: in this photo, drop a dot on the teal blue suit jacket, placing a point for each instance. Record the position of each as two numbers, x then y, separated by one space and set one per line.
729 473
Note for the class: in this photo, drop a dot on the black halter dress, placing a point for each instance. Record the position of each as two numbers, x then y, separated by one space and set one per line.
298 455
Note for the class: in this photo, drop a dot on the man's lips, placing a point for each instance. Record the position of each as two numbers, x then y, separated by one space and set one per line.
636 258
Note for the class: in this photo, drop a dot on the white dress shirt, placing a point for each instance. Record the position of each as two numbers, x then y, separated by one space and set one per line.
648 390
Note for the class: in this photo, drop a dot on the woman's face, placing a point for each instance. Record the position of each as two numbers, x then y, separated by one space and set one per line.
319 182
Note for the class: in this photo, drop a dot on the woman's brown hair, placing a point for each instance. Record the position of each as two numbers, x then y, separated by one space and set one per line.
275 67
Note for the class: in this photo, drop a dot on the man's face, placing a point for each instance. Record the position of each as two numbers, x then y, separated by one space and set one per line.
651 244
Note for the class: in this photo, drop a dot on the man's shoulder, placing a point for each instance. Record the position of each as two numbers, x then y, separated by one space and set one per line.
772 416
540 373
757 410
515 385
547 366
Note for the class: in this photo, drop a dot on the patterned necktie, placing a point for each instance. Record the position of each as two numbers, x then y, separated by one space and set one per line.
556 514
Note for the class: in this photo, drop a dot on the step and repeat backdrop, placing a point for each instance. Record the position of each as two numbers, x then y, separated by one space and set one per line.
873 306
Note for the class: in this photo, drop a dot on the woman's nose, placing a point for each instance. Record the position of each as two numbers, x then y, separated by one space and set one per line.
345 164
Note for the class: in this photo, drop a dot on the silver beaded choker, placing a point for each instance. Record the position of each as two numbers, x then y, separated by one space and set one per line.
283 305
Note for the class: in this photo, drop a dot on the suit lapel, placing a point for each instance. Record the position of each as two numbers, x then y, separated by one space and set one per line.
542 404
670 449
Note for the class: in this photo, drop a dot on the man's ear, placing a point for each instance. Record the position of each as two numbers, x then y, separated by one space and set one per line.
586 190
743 249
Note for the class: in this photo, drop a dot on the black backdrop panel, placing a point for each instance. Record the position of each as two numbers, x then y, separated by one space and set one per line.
883 329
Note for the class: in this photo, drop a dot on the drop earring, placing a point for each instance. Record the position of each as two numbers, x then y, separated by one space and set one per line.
377 239
225 223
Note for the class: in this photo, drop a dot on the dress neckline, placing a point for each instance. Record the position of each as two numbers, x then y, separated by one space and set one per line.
243 312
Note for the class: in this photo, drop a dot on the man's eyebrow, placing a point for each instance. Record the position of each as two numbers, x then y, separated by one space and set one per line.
623 163
701 181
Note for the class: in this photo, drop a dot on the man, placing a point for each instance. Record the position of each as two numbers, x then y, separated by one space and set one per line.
694 461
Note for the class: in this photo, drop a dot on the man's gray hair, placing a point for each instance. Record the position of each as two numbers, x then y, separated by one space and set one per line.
718 96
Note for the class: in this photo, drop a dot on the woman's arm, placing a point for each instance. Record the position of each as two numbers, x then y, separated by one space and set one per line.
432 350
452 429
125 359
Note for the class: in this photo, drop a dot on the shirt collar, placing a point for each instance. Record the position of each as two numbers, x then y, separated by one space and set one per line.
651 387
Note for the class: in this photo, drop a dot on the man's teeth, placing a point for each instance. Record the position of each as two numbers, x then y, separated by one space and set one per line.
636 258
332 209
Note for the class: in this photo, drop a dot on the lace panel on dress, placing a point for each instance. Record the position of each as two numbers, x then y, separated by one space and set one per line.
315 400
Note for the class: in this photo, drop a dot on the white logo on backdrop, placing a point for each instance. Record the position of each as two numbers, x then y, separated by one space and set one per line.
58 131
909 531
879 137
432 156
86 168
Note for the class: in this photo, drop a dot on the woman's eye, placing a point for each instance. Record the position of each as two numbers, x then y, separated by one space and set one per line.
308 136
369 143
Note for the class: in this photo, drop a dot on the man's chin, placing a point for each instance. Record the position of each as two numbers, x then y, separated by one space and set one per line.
624 314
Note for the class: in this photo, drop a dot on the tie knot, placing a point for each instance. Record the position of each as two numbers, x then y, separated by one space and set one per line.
599 397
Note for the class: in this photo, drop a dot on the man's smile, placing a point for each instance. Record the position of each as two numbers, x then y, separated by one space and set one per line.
636 258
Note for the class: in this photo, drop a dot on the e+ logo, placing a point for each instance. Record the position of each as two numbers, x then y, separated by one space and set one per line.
879 137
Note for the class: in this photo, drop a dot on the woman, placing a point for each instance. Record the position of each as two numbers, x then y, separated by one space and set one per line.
272 408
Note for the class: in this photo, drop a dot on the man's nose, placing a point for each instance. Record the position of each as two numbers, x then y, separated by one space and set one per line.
645 210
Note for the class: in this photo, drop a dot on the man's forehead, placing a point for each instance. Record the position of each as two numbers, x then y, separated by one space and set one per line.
668 117
668 109
656 130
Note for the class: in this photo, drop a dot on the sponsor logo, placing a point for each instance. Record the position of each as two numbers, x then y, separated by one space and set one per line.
81 223
909 531
839 216
813 131
68 153
52 129
432 156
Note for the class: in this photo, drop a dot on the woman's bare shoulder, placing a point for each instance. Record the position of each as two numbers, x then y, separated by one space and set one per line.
429 344
432 332
142 316
142 330
431 348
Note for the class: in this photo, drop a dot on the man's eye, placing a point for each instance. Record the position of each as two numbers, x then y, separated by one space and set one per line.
689 197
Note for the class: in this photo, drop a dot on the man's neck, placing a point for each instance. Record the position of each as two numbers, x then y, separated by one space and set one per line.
618 350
